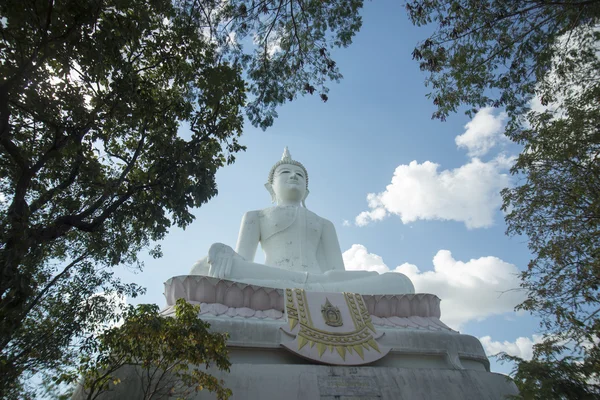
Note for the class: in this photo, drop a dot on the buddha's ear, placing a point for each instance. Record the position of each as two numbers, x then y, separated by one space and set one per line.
304 199
271 191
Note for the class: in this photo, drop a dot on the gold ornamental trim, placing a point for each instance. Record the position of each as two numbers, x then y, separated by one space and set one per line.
291 309
331 314
357 340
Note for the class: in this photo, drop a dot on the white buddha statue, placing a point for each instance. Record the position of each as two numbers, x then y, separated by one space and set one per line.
301 248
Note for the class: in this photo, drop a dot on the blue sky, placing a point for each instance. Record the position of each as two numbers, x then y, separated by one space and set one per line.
375 135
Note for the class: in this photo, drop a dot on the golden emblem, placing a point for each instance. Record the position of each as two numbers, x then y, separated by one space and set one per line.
331 314
357 336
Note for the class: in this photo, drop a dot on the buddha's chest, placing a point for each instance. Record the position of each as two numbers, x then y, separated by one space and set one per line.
302 233
291 242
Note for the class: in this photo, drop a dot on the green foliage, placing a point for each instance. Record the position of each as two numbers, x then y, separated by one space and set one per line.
496 52
539 61
92 169
548 376
169 355
304 31
558 207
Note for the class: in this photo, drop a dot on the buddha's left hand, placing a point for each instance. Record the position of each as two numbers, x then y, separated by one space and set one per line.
220 258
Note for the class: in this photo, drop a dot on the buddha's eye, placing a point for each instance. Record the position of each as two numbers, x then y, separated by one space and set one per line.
284 172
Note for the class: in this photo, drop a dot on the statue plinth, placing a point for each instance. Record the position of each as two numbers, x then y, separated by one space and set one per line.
327 328
235 299
424 358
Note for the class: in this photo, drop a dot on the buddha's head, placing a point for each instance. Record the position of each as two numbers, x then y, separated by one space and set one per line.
288 180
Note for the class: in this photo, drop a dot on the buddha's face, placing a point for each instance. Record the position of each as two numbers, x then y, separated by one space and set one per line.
289 183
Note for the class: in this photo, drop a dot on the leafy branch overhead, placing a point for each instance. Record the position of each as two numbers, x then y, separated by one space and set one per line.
92 165
294 40
540 61
495 53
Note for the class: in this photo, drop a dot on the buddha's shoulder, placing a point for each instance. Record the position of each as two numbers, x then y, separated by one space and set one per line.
273 211
252 215
266 212
262 214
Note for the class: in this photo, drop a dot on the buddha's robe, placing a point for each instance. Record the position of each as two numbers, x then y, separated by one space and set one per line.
293 238
302 250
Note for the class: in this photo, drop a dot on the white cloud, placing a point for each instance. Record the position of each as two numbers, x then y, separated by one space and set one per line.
483 132
470 291
469 194
522 347
357 258
346 223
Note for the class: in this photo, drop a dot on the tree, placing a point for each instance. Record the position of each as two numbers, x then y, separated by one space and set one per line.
166 355
92 169
553 375
539 61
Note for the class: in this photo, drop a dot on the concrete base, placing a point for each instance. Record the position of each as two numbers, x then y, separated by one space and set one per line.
426 359
423 365
258 343
320 382
308 382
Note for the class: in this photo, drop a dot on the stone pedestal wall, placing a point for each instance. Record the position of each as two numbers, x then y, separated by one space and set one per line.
313 382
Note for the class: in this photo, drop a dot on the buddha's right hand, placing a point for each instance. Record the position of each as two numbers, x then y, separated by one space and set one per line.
220 259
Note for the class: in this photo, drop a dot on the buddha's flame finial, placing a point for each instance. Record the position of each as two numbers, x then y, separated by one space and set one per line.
286 155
